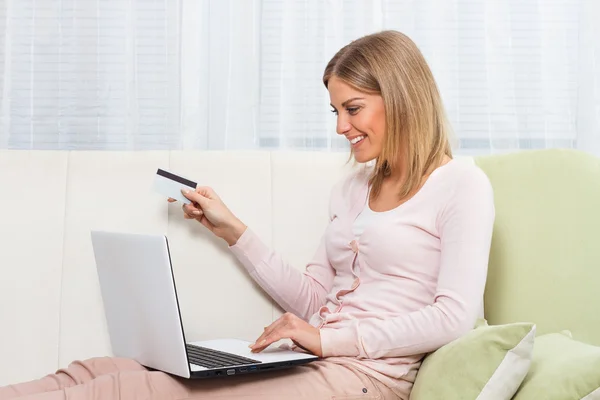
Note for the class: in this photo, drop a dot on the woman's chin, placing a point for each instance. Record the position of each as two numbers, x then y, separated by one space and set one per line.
363 157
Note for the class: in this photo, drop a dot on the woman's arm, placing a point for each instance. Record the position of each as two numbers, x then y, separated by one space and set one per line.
297 292
301 293
465 229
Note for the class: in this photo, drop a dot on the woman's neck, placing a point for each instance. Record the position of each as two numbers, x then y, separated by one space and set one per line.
398 175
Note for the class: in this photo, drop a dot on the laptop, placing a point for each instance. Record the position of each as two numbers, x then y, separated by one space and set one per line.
144 319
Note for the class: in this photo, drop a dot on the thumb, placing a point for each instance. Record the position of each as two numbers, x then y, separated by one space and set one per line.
195 197
207 192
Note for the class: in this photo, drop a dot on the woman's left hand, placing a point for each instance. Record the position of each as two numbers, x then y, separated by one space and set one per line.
291 327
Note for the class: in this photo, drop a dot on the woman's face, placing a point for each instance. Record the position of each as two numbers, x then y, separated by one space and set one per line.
360 118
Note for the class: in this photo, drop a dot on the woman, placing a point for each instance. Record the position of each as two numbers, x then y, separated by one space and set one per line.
401 268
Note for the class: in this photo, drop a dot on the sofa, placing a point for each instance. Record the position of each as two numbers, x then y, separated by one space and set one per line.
544 262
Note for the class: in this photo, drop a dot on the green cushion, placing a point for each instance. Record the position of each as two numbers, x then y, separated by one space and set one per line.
490 362
562 369
544 262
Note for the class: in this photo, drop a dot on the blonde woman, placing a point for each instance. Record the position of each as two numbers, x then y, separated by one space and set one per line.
400 271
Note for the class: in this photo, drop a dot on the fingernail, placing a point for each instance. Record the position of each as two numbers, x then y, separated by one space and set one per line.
196 212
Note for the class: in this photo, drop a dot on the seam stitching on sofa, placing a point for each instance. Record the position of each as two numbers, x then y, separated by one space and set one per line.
62 264
272 220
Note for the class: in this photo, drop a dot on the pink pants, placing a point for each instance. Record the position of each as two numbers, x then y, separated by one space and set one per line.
118 378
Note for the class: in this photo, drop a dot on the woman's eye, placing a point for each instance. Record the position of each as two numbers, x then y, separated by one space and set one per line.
334 111
352 110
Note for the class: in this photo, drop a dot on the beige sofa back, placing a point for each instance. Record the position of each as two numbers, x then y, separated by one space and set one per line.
50 306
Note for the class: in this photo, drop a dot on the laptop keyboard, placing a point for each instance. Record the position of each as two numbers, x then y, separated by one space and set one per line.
210 358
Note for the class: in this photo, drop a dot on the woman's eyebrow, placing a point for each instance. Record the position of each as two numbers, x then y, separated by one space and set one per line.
352 99
348 101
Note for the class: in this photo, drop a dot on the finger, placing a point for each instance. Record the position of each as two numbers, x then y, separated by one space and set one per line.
277 325
197 215
187 214
282 333
206 191
267 330
190 209
195 197
194 214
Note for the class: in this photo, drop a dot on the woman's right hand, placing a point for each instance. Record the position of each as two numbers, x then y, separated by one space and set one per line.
208 209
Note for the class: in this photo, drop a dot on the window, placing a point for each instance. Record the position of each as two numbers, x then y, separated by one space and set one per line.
227 74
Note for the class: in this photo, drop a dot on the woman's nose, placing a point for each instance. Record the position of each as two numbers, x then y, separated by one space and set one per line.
343 126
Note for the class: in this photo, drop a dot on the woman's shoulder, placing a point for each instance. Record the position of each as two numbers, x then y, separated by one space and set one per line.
464 175
464 189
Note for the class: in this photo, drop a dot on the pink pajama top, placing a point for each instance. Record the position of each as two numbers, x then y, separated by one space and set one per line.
411 282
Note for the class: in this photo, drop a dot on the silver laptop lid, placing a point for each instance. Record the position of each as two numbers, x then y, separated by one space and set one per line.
140 300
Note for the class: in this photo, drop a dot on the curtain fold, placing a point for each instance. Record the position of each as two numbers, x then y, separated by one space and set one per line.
246 74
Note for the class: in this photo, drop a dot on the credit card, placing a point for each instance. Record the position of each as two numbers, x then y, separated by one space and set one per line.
170 185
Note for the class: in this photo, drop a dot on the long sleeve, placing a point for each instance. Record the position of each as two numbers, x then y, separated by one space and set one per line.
298 292
465 228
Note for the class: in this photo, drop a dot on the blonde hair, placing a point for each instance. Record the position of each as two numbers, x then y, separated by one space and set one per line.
389 64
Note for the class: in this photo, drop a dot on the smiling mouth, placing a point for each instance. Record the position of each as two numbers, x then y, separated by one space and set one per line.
357 139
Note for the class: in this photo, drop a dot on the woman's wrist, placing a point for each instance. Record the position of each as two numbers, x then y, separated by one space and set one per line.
234 232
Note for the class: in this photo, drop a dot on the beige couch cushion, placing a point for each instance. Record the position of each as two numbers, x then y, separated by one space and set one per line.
107 191
32 210
217 297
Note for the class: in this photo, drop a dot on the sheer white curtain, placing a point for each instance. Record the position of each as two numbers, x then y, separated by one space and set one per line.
246 74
